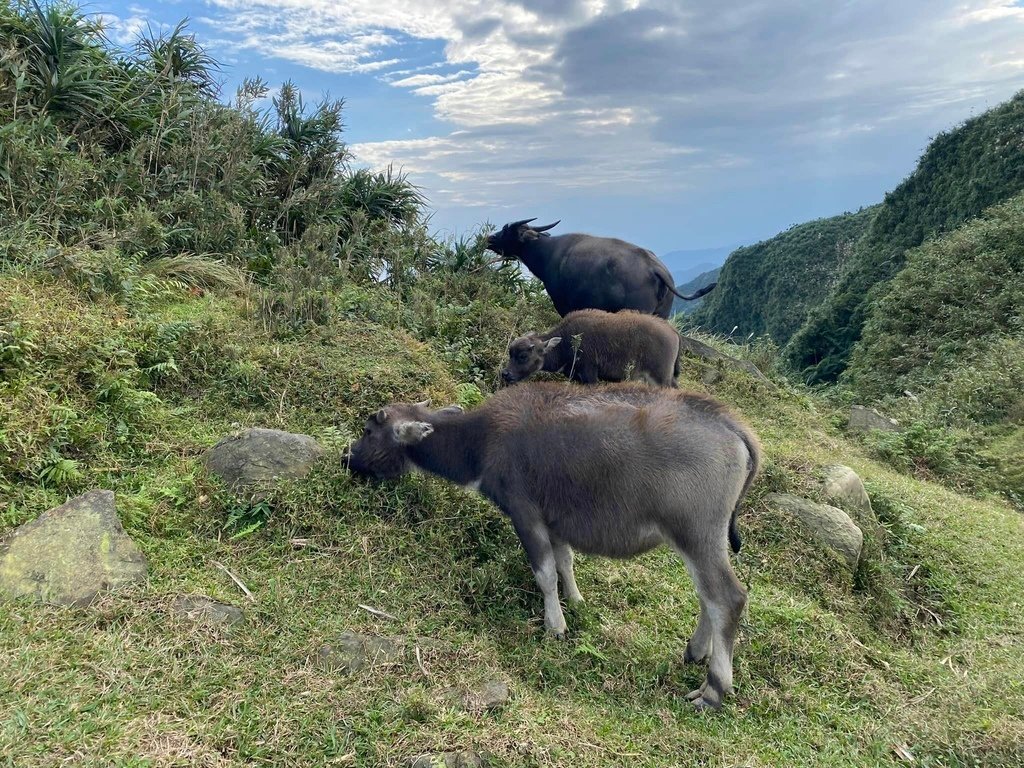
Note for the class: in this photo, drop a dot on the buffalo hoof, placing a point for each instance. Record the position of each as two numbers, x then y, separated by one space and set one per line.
556 634
702 704
705 698
693 695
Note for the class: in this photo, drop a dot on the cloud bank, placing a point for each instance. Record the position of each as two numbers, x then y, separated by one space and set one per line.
538 99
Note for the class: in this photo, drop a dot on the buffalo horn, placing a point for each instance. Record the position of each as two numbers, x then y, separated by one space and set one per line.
546 228
520 223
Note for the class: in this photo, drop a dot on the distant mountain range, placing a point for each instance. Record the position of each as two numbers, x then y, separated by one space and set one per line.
704 278
693 269
687 264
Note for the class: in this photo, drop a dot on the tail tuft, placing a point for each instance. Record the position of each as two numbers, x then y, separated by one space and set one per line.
734 534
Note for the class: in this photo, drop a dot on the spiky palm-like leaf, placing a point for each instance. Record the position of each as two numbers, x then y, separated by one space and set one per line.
177 58
66 62
196 271
387 195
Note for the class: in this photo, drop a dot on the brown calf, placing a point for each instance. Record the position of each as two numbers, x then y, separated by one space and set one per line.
591 345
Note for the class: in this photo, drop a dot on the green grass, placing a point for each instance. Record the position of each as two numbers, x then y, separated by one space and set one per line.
923 654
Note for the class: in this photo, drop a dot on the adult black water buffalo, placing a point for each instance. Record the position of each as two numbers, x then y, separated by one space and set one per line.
587 272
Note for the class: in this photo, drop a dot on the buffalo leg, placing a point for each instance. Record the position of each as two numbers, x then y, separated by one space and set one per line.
699 646
725 599
536 541
563 562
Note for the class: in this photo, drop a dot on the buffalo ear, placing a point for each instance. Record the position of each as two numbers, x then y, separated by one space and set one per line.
381 416
412 432
552 343
526 234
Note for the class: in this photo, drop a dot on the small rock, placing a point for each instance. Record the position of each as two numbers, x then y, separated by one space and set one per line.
828 525
844 488
493 694
864 419
711 376
253 456
352 652
466 759
70 553
205 610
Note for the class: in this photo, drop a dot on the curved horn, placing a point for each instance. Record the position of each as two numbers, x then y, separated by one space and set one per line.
546 228
515 224
424 403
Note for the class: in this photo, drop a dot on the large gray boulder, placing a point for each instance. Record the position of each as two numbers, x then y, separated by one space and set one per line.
69 554
843 488
705 352
254 456
492 694
863 419
829 526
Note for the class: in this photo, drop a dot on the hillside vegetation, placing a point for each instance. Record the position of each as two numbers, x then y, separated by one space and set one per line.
949 330
173 269
812 287
962 172
700 281
933 289
770 288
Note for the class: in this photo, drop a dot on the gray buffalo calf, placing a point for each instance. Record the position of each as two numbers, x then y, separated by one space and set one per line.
612 470
591 345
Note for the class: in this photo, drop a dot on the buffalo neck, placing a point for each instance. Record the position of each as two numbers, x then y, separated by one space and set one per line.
454 450
534 256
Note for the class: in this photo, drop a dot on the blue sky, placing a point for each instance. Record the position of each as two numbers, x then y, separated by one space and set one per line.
675 124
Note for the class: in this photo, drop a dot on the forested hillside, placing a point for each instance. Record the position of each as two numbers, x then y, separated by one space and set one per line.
771 287
934 290
963 171
949 330
700 281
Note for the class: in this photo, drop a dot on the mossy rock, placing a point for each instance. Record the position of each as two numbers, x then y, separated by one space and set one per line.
830 526
71 553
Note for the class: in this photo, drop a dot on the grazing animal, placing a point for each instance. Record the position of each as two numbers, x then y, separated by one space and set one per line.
587 272
591 345
612 470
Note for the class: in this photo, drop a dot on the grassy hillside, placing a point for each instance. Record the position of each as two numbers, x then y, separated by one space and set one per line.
771 287
173 269
963 172
918 655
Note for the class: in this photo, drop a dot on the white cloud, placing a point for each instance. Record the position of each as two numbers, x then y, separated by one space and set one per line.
641 97
123 31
